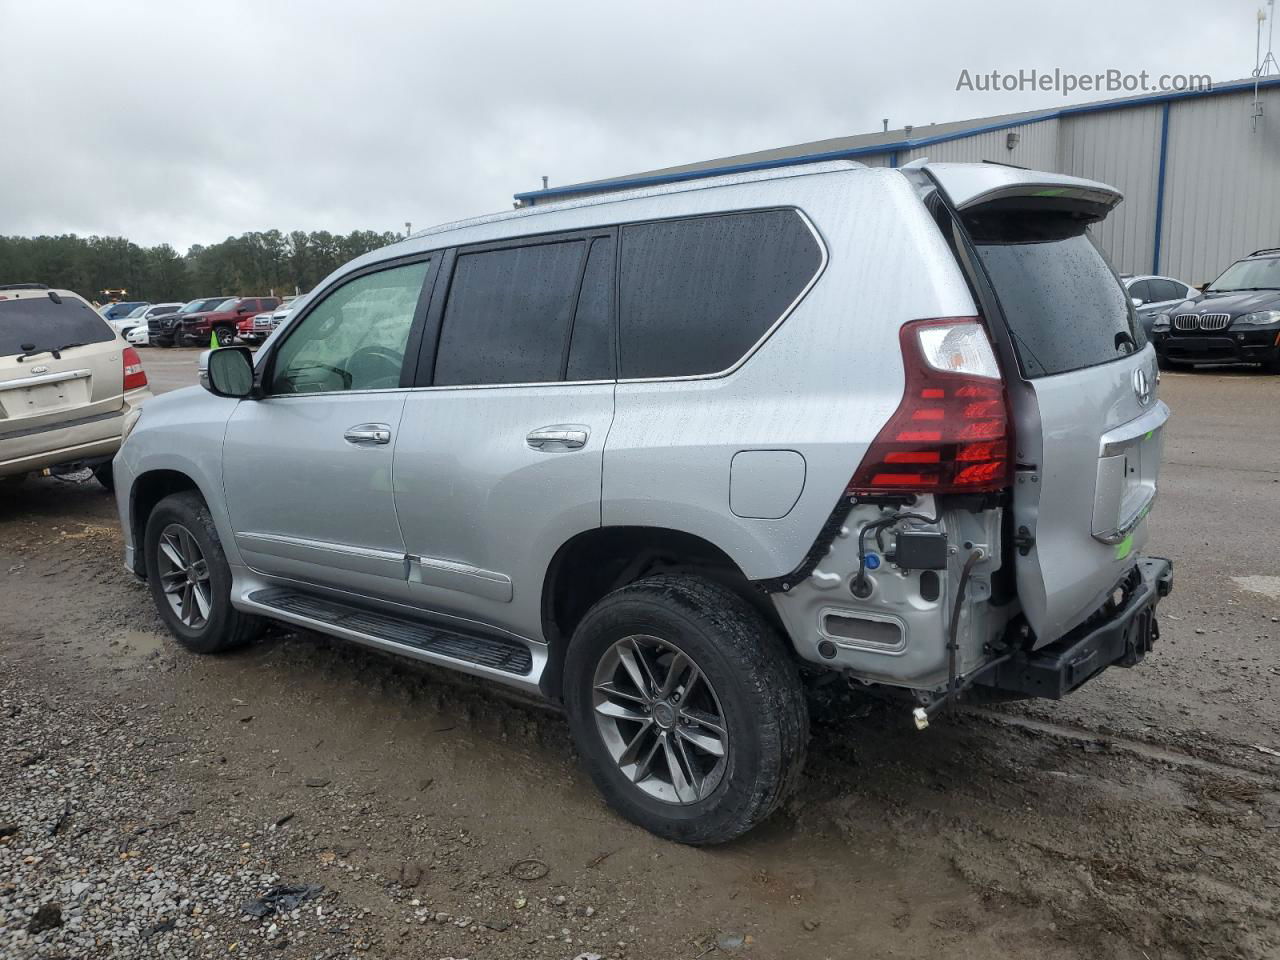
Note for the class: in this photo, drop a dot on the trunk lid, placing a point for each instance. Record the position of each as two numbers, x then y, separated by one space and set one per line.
1081 381
39 390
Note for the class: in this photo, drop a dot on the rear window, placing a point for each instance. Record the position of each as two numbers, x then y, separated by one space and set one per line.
1063 304
37 324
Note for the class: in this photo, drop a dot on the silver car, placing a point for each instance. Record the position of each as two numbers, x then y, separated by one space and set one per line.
666 456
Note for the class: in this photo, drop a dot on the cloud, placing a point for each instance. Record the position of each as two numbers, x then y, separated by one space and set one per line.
188 122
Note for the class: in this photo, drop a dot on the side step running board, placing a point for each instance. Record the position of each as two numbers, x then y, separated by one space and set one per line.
501 658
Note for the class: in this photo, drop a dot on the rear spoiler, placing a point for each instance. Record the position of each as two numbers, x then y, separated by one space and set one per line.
971 185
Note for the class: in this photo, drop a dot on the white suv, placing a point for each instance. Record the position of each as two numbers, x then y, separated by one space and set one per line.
70 388
660 455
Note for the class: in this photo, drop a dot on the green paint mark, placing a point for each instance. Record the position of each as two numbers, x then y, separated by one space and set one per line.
1124 547
1150 434
1056 192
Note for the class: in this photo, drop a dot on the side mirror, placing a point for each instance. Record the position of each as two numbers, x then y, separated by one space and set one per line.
227 372
1137 301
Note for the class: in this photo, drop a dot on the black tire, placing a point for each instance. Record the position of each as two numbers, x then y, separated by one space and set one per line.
758 689
225 335
13 481
226 627
105 476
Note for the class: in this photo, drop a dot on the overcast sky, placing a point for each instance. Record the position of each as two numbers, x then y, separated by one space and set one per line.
188 122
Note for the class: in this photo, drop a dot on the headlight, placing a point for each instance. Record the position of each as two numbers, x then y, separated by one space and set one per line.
1257 319
1161 322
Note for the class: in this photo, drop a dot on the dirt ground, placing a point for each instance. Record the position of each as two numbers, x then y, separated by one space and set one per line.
150 791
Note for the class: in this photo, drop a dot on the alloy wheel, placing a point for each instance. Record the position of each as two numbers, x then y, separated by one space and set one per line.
184 576
660 719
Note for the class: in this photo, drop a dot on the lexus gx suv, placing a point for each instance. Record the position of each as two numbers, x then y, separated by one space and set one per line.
665 457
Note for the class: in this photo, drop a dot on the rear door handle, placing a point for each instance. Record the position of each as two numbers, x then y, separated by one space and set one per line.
558 437
368 433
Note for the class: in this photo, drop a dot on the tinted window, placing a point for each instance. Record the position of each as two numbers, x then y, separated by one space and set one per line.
591 352
1063 305
47 325
507 318
1165 290
696 295
1141 290
354 339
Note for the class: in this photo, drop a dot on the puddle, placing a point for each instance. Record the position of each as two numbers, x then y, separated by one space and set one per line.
137 643
1267 586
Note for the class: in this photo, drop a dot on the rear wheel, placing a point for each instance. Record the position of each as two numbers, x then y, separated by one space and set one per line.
687 711
190 579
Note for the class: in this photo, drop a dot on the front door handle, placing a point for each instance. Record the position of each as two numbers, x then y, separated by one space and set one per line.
558 437
368 433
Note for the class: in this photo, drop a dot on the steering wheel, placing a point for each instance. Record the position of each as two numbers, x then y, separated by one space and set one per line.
384 365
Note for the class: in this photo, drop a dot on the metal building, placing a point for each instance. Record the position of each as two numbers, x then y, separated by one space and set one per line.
1200 171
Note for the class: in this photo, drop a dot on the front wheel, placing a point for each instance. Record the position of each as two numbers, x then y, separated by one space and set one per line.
224 336
190 579
688 713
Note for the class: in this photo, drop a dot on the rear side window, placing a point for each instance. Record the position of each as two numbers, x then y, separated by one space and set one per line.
696 295
1166 290
507 317
1061 300
37 324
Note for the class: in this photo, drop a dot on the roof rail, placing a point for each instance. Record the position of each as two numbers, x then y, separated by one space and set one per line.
1258 253
24 286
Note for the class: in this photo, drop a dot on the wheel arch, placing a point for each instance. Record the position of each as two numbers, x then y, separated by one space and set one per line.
596 562
148 489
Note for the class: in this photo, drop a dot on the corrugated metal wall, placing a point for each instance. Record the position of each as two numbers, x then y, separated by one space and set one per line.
1036 147
1122 148
1222 184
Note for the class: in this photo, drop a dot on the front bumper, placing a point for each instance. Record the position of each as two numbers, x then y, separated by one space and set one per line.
1123 639
1230 346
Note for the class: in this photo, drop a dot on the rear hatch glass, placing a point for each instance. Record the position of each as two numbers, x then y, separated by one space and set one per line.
1064 307
39 324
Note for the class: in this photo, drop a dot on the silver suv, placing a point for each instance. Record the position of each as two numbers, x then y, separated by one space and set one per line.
666 456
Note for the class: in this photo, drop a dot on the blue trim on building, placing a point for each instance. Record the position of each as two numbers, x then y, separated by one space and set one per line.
1164 158
892 148
893 159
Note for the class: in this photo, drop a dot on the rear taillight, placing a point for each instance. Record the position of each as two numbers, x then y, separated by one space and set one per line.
950 433
134 375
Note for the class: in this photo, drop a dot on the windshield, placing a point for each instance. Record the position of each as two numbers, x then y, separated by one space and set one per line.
1248 275
226 304
137 312
199 306
38 324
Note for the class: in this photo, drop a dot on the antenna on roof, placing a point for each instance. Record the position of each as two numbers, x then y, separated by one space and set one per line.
1265 64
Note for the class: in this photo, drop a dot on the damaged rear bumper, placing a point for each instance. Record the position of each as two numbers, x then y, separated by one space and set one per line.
1123 639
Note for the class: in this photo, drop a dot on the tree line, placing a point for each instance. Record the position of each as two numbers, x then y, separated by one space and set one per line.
253 263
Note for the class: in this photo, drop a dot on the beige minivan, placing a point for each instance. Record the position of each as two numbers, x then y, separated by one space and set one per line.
70 388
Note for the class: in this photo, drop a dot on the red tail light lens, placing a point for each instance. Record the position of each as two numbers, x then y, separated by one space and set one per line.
134 375
950 433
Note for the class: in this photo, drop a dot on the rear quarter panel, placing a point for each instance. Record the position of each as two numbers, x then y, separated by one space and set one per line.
822 385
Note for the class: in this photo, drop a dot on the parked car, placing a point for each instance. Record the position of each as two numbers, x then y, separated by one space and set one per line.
221 321
119 309
70 389
140 316
656 452
1235 320
161 329
139 336
257 328
1154 295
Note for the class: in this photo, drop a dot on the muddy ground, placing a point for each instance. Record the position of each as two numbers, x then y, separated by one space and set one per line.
1138 820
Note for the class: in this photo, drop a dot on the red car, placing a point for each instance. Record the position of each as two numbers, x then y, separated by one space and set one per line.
223 320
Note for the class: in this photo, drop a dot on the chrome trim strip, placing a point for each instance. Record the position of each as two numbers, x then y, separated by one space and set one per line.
327 546
45 378
455 575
